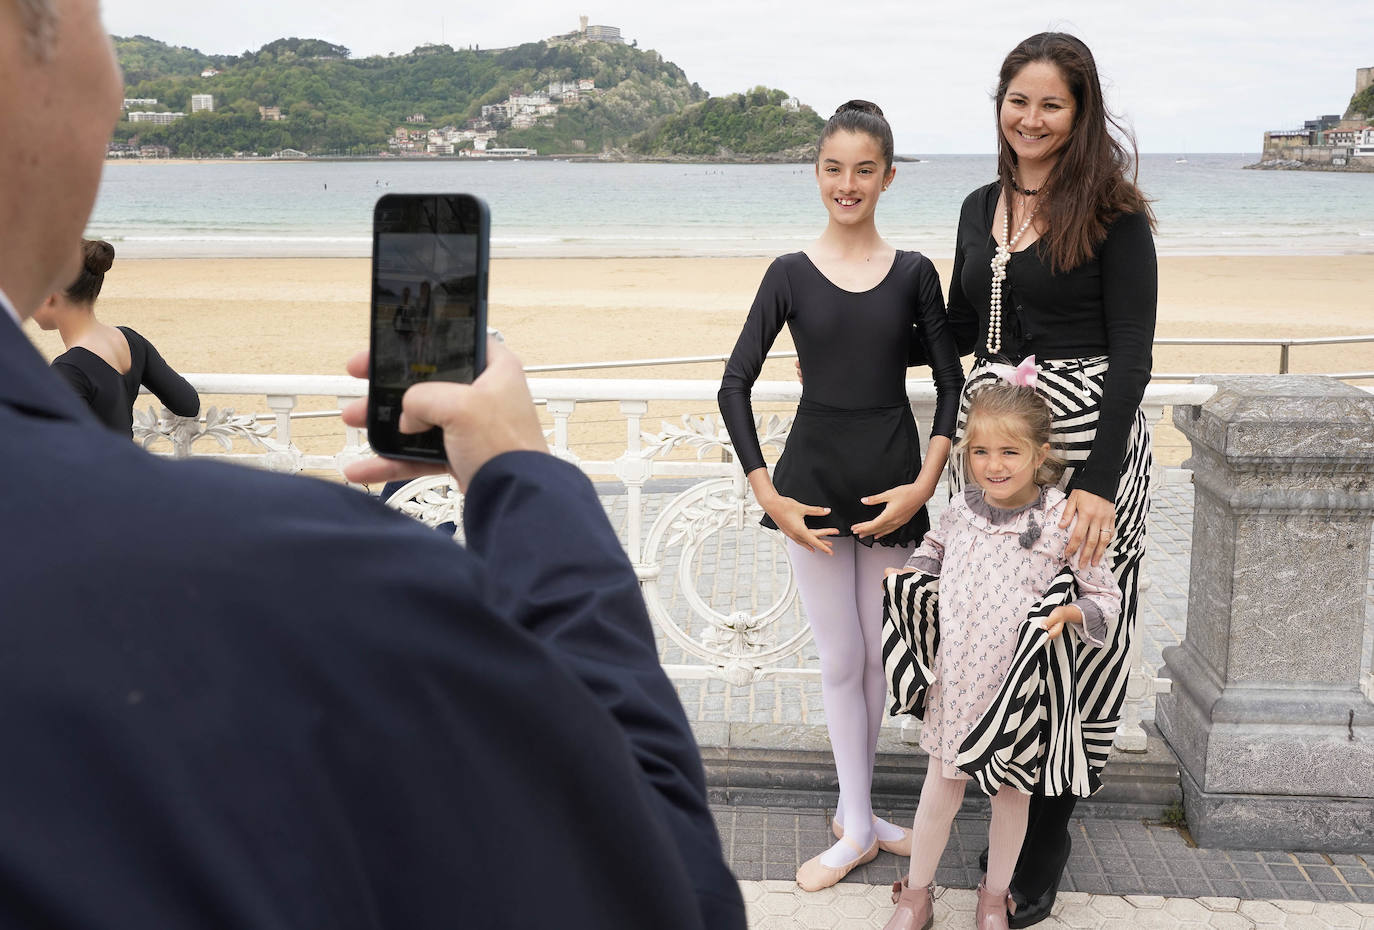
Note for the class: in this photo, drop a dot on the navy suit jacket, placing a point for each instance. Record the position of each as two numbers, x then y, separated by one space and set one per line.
236 699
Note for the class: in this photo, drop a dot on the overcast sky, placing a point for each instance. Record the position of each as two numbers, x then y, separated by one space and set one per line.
1188 75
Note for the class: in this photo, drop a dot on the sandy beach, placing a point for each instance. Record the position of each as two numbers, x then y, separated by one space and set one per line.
305 316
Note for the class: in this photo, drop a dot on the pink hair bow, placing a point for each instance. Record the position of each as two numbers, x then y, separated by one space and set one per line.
1023 375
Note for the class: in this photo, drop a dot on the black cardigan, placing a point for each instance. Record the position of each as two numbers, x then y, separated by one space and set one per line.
1105 306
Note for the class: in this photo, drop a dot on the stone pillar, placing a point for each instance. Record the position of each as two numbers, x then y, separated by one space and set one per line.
1274 735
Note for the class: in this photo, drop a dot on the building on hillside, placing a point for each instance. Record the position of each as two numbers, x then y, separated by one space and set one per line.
609 34
139 102
791 104
160 119
202 102
1325 143
585 84
490 152
416 118
154 151
439 148
208 73
523 121
270 114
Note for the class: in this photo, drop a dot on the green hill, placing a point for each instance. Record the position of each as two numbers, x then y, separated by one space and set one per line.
332 103
756 125
1363 103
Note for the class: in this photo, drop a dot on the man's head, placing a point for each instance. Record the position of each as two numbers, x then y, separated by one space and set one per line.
59 97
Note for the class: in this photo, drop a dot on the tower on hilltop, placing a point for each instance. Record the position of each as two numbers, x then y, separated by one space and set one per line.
582 25
1364 78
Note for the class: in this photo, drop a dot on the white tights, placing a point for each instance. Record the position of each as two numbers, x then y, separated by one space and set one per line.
940 800
843 598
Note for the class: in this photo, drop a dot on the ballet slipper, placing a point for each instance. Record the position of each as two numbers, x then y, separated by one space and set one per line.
815 875
898 847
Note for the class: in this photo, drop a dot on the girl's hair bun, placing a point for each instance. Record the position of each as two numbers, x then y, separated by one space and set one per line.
862 106
97 255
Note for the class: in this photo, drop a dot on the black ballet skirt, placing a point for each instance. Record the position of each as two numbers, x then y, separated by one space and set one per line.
835 456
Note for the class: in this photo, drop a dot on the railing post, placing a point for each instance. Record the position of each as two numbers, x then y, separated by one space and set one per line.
562 411
634 470
282 405
1283 358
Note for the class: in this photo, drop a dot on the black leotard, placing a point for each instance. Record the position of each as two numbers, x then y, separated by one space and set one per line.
111 395
853 434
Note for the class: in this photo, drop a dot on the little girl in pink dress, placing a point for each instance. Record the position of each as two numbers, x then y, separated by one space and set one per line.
996 550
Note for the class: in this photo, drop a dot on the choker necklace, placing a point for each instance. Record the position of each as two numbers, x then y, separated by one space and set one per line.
1027 191
1000 257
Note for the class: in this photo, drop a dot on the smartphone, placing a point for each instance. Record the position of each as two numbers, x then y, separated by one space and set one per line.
429 308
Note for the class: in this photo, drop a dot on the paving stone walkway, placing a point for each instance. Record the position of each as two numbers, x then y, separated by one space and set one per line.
772 905
1121 874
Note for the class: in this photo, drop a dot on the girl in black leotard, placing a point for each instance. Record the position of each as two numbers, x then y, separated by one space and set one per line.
107 364
851 474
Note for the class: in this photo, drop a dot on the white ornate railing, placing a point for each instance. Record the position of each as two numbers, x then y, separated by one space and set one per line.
756 633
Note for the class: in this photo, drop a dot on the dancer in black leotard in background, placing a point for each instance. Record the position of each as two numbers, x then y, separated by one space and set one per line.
1079 294
107 364
851 474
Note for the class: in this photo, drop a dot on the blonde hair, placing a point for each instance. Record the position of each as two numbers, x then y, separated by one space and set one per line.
1023 415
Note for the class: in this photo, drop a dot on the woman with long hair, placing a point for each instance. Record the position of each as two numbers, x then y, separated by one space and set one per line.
1056 260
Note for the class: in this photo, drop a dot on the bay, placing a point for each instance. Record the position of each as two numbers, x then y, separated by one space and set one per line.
1206 205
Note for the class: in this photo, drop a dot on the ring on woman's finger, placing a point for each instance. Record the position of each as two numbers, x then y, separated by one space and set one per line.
1105 532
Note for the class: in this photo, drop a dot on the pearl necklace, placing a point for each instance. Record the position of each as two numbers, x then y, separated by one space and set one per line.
1000 257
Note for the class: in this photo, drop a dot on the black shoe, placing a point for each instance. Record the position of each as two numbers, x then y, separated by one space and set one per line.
983 861
1029 913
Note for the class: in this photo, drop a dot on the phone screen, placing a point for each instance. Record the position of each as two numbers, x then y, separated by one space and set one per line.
429 267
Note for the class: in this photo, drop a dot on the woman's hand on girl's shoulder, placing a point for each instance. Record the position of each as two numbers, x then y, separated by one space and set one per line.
900 505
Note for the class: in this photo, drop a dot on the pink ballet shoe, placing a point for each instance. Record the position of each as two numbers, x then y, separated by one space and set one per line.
915 907
898 847
815 875
992 909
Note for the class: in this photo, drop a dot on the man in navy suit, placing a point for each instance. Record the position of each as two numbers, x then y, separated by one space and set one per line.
237 699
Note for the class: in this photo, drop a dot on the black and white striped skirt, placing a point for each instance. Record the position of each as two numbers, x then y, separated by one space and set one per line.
1073 388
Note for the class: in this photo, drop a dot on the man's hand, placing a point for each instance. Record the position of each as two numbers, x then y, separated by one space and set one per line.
482 420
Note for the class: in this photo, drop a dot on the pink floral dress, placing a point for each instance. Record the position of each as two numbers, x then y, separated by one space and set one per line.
993 565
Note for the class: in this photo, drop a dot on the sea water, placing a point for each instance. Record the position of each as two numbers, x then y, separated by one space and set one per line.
1205 205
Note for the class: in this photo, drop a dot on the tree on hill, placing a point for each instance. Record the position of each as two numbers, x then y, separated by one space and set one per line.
750 124
1363 103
